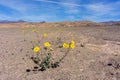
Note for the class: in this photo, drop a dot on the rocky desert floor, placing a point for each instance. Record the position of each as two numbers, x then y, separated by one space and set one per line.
96 55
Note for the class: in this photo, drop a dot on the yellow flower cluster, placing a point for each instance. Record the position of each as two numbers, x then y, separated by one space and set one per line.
71 45
65 45
48 45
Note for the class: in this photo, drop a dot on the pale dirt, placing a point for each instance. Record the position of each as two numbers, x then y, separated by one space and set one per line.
99 59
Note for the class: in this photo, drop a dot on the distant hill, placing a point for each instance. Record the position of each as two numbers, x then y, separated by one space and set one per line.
7 21
59 24
112 22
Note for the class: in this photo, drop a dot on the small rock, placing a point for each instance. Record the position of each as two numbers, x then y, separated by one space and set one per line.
26 55
31 57
21 50
28 70
109 64
35 67
22 58
115 54
92 60
111 74
81 70
82 45
12 54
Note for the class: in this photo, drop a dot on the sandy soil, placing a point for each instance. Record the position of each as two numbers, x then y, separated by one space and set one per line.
95 57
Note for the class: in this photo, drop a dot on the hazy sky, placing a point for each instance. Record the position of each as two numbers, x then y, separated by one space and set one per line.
60 10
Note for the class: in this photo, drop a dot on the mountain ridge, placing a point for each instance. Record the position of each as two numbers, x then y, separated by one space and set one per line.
10 21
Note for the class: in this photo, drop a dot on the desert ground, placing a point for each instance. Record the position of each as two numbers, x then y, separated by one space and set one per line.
96 55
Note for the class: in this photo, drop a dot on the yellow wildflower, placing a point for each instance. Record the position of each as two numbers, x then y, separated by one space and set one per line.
36 49
47 44
45 35
72 42
51 49
65 45
72 46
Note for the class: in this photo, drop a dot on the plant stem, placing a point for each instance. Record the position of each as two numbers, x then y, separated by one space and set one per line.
64 56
